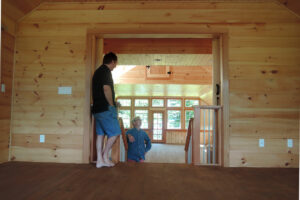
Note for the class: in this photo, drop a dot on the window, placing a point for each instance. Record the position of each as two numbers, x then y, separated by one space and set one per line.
174 103
157 103
191 103
157 126
125 102
143 114
178 112
125 114
188 115
174 117
141 103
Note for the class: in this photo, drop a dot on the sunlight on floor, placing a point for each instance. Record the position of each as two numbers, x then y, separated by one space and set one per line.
166 153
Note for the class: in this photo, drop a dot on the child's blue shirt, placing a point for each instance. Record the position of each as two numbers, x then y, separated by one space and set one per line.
138 148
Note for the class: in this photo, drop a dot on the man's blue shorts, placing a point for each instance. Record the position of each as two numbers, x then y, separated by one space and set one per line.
107 122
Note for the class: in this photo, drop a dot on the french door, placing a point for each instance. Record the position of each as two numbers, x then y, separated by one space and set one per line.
157 127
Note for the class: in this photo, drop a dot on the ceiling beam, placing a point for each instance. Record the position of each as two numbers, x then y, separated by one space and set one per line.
158 45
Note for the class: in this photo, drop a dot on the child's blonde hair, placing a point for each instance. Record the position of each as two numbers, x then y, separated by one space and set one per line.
135 119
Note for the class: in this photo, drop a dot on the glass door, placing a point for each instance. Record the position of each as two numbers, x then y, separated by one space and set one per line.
157 127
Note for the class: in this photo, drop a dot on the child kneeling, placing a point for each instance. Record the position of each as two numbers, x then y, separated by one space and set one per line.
138 142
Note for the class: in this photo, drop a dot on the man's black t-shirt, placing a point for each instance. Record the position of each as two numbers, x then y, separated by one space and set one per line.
102 76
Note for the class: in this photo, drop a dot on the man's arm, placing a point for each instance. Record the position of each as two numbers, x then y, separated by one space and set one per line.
108 94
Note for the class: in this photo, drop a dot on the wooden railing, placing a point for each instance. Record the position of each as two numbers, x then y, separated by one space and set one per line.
119 149
204 136
123 142
188 147
123 133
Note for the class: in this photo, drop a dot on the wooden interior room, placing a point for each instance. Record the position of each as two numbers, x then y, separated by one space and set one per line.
216 84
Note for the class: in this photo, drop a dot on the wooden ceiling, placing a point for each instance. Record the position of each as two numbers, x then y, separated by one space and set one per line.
17 9
161 51
163 90
166 59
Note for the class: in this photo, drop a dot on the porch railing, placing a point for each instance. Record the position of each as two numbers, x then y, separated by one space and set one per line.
188 143
203 143
119 149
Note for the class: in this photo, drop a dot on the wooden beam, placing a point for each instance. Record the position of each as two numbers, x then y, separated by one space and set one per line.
99 54
158 45
87 137
224 119
216 70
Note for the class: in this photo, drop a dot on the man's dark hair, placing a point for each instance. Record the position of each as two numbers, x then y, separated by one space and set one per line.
109 57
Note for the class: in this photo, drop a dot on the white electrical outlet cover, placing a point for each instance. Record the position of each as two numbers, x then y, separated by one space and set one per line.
61 90
290 143
261 142
42 138
64 90
68 90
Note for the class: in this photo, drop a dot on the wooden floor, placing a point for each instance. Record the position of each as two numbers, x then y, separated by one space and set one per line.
130 181
166 153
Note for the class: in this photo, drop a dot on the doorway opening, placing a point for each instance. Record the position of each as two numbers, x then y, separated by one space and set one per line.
161 70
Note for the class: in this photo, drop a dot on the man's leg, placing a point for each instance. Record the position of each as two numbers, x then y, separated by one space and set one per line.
108 146
99 145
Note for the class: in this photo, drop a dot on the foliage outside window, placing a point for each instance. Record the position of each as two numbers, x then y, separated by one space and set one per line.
157 134
174 103
141 103
188 115
143 114
157 103
125 102
174 119
190 103
125 115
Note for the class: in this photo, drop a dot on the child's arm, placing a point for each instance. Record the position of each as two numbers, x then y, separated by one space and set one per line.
148 142
130 137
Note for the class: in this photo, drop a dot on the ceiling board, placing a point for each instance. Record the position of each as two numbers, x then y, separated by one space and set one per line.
162 90
25 6
166 59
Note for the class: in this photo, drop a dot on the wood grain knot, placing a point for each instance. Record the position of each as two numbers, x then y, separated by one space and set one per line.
101 7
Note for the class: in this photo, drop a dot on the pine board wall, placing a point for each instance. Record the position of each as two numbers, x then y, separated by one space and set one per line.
7 64
264 73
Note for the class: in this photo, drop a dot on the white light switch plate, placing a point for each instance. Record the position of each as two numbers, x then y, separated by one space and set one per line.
2 87
290 143
64 90
261 142
42 138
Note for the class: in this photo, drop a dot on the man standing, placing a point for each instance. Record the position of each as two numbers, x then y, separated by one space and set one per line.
104 109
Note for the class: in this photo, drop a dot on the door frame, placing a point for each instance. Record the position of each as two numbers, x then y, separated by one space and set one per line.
94 42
